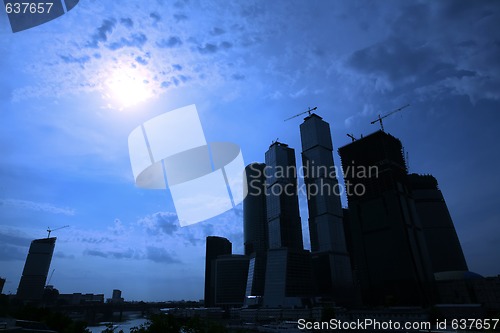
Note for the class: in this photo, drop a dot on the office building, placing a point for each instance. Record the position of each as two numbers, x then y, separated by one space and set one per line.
441 237
256 240
283 217
331 262
388 245
230 272
215 246
36 269
116 296
288 279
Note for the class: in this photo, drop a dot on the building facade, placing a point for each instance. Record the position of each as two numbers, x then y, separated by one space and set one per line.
36 269
283 217
388 245
230 272
331 262
440 235
215 246
255 232
288 280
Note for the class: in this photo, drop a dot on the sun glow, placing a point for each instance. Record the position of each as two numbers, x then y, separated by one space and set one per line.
127 88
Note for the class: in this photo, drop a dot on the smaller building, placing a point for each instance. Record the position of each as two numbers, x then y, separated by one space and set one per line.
215 246
79 298
231 273
288 278
117 297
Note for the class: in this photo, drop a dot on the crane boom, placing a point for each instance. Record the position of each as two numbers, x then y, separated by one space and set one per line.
308 111
379 119
50 230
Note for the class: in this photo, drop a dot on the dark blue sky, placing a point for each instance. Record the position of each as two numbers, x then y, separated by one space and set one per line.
73 89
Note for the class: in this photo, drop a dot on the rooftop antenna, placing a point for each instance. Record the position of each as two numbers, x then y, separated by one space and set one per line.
379 119
351 136
50 230
308 111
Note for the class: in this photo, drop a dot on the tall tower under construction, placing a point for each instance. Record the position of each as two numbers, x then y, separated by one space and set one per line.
36 269
331 262
389 250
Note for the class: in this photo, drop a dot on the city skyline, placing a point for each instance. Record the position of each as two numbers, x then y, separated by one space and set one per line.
64 139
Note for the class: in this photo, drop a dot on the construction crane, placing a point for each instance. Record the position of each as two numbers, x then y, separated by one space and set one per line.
353 138
50 230
379 119
308 111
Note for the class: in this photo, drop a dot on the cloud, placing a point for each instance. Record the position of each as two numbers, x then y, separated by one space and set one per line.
78 60
160 222
155 16
135 40
96 240
127 22
141 60
394 65
238 77
226 45
95 253
12 253
180 17
153 253
208 48
393 60
62 255
14 240
36 206
168 43
160 255
101 34
216 31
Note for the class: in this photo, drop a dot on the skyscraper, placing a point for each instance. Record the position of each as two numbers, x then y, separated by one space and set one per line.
331 263
283 215
389 250
255 229
441 238
36 269
288 270
215 246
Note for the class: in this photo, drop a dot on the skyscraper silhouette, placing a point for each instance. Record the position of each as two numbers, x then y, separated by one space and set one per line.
231 273
255 231
288 270
331 263
36 269
441 238
215 246
389 250
283 215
